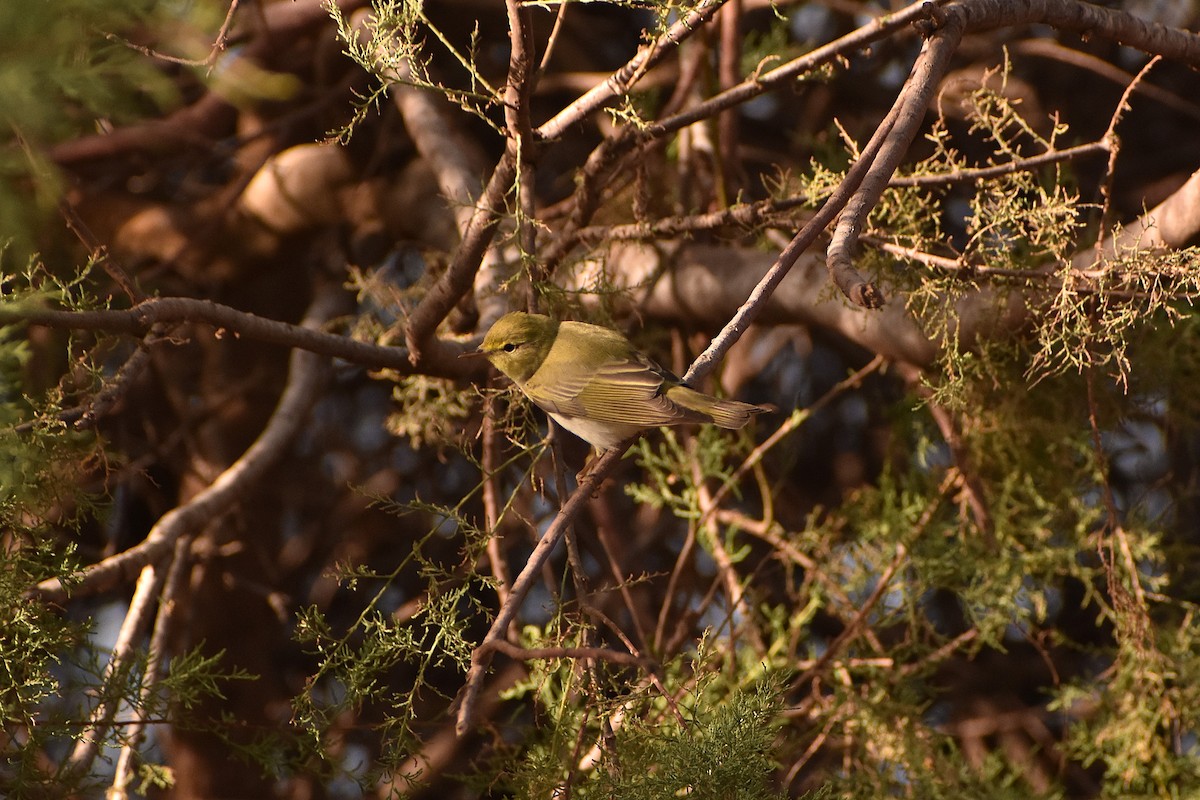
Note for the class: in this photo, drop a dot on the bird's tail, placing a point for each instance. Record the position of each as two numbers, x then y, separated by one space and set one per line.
730 414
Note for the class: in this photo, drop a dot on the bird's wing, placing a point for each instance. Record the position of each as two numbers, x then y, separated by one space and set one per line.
629 391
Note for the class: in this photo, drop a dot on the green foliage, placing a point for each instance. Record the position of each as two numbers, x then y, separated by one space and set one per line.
388 659
711 735
676 468
721 752
431 411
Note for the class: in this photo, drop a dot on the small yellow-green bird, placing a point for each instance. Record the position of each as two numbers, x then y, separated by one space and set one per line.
595 383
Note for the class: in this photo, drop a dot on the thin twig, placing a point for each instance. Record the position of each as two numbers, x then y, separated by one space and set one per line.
155 662
793 422
1114 150
552 40
606 528
491 502
87 745
623 79
596 653
208 61
482 654
853 627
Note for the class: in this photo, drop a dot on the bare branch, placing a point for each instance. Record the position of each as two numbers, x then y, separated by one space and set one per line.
597 653
142 317
623 79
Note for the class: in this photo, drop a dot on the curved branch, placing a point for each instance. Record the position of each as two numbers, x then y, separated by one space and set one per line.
908 114
306 375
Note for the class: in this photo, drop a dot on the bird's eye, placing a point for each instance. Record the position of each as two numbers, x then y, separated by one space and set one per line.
508 348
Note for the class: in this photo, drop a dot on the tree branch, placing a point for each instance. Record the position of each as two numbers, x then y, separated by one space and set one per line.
142 317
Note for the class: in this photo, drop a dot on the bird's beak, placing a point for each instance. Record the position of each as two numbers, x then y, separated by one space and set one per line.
472 353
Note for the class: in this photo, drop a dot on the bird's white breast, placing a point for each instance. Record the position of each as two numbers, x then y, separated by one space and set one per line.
601 435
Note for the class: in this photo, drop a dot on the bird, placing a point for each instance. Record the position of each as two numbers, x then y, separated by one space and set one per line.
595 383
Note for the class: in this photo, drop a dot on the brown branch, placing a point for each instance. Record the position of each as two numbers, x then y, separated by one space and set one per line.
460 275
1049 48
1114 150
1085 19
519 129
1025 164
456 162
476 208
142 317
306 374
491 500
476 238
598 653
729 57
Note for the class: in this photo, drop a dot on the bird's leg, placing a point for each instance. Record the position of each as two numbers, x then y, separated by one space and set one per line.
594 455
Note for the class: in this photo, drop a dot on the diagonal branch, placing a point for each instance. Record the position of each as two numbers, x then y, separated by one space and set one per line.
623 79
482 655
